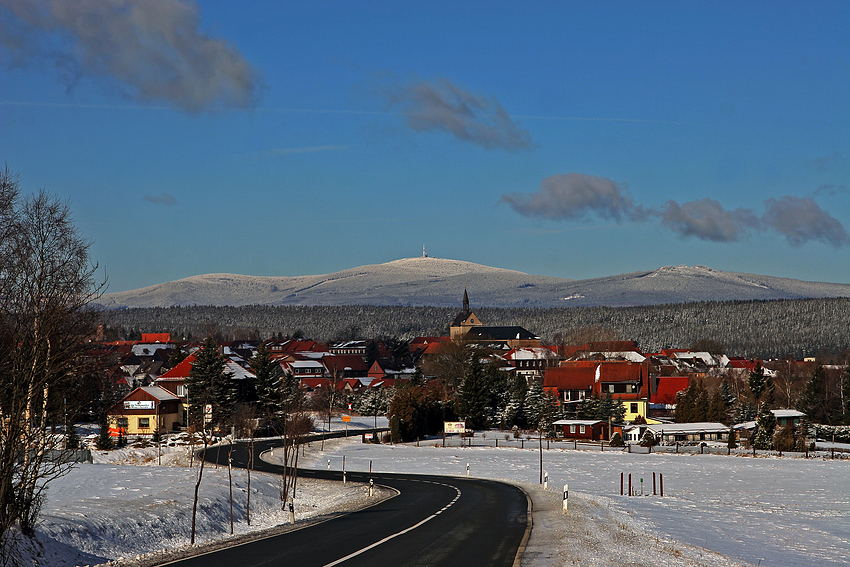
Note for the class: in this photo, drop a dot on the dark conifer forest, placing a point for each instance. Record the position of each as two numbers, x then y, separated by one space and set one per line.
764 329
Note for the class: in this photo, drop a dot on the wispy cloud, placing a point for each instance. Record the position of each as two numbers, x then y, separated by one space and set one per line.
162 199
154 50
576 196
443 106
825 163
302 150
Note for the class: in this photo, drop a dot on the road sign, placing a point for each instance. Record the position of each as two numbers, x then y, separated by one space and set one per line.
346 418
454 426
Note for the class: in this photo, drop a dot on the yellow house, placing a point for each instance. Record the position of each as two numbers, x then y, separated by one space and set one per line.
145 411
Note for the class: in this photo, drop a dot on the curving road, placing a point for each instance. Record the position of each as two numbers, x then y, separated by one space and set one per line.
433 521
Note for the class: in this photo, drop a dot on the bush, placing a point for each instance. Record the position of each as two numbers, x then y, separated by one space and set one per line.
783 439
648 439
617 440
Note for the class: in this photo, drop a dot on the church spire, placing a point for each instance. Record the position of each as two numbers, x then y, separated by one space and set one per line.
465 301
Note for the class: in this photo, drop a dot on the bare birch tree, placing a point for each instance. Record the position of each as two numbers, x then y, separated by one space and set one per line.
46 287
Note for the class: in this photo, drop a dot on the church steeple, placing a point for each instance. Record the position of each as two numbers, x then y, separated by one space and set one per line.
465 301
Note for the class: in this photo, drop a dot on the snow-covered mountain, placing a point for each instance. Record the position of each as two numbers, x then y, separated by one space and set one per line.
440 282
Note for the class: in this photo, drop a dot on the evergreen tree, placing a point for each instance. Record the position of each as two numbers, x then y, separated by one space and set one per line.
72 438
717 408
617 440
765 426
209 384
373 353
813 401
588 408
104 439
268 385
760 385
732 441
177 356
474 397
726 393
539 407
513 414
845 396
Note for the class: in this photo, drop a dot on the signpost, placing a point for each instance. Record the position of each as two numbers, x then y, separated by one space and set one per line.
566 496
454 426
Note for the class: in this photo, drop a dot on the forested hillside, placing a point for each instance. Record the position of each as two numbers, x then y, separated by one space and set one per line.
799 327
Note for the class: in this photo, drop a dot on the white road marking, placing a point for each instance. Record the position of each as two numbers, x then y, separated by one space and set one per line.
402 532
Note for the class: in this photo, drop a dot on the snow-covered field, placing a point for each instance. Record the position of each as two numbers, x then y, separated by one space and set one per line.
780 512
717 510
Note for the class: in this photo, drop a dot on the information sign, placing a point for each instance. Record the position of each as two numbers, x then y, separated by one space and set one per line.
454 426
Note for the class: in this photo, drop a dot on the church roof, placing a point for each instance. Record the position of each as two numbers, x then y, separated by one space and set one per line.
499 334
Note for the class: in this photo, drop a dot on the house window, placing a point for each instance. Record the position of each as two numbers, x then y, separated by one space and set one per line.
144 423
572 428
633 408
611 388
581 429
182 391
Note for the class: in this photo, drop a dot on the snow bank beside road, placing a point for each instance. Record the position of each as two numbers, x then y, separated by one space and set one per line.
124 506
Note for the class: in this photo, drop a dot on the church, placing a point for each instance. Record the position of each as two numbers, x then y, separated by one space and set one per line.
468 327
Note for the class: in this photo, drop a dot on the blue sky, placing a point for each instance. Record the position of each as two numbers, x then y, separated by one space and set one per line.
571 139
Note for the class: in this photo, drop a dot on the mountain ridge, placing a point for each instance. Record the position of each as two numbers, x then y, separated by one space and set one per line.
440 282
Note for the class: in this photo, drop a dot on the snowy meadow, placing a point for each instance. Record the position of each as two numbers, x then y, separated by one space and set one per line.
769 511
717 510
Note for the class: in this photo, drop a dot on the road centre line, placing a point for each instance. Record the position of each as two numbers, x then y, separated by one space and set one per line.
402 532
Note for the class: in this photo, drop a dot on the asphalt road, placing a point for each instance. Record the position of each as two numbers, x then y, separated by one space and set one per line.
434 521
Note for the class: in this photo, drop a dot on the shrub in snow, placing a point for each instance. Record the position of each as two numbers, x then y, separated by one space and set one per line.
617 440
648 439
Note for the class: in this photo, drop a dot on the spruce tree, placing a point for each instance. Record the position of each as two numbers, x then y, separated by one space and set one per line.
845 396
717 408
474 397
814 400
104 439
267 383
765 426
732 441
539 406
209 384
761 386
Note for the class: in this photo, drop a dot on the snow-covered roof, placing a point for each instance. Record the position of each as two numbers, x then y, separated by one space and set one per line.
578 422
305 364
688 428
239 373
787 413
160 394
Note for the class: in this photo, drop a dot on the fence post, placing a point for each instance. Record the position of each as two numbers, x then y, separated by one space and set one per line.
621 484
661 480
653 485
630 484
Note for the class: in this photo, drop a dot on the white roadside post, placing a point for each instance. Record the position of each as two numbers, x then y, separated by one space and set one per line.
329 464
291 508
566 496
467 469
545 480
371 487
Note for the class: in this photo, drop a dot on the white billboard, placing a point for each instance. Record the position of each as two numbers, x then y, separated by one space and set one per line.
139 404
454 426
